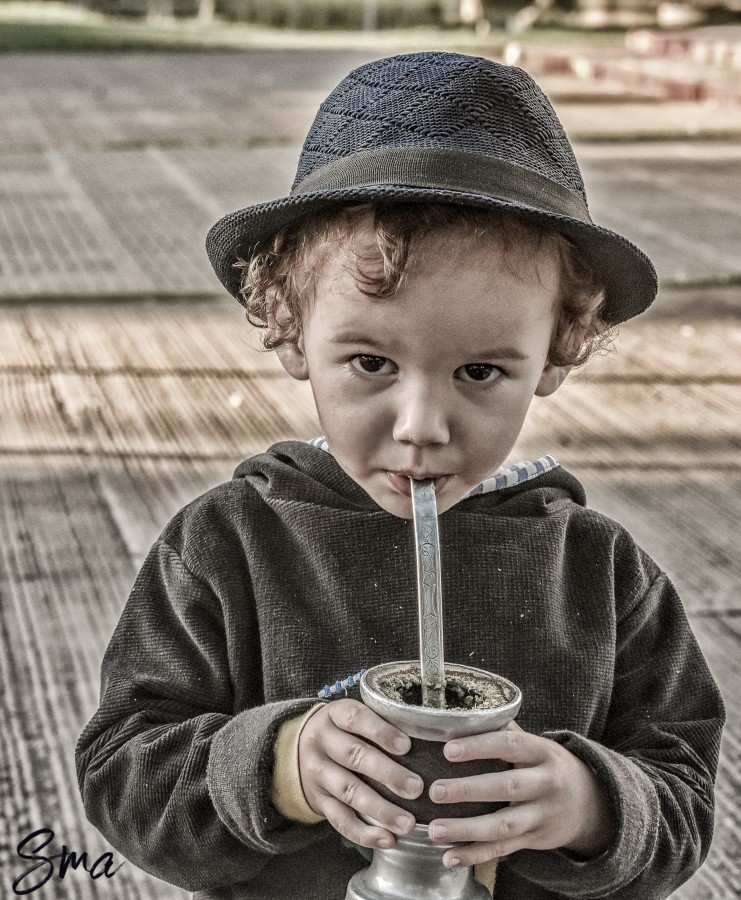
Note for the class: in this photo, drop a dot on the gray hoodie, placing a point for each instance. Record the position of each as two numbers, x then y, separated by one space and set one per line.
290 576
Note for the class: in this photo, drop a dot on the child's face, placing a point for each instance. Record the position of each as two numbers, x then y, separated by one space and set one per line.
436 381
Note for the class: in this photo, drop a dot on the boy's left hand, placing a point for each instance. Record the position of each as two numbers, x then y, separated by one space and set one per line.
555 800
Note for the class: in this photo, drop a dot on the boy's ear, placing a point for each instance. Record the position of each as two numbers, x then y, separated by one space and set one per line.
551 379
291 352
293 360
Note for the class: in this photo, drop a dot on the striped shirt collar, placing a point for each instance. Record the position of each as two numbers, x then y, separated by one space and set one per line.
505 478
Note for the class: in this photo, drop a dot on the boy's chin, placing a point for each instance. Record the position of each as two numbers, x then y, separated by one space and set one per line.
401 507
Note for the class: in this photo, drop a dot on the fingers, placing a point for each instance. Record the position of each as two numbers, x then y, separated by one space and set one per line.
349 751
510 786
473 854
343 796
346 787
503 827
511 744
356 718
335 745
554 799
482 838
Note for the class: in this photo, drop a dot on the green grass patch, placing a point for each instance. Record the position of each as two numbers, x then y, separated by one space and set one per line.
154 297
59 27
78 37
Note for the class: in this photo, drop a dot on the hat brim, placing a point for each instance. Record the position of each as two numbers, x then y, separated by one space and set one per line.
625 271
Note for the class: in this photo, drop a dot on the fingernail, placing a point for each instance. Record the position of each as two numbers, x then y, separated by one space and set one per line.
452 863
385 843
438 832
453 750
412 786
438 792
404 823
401 744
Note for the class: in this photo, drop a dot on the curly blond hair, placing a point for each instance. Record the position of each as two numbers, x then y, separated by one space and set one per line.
281 274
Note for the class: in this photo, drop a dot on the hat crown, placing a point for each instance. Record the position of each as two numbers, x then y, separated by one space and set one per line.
442 100
441 128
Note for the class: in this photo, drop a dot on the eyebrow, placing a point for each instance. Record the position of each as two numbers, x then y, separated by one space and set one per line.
501 353
352 337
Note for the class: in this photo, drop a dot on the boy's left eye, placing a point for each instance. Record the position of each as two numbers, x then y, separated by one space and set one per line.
372 365
480 373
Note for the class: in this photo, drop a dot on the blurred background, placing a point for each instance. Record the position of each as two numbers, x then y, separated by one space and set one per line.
131 382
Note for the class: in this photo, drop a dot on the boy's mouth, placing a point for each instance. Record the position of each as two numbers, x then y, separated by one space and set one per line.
400 481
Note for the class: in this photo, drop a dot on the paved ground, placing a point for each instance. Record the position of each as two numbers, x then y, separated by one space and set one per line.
112 168
114 415
96 223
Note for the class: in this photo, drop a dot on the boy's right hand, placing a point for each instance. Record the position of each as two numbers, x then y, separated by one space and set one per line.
334 744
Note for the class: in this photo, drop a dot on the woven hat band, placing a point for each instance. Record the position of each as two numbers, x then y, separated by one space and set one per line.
438 168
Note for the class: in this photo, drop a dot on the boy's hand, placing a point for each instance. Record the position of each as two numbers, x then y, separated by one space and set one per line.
332 747
555 800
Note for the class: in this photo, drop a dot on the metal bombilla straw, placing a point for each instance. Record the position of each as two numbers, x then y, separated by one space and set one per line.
429 593
413 868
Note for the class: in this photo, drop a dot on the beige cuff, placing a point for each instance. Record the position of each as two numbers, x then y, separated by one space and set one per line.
486 874
286 793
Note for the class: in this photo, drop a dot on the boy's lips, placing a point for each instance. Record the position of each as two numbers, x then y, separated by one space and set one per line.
400 481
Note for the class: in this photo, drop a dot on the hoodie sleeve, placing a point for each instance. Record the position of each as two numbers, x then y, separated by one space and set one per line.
657 757
172 772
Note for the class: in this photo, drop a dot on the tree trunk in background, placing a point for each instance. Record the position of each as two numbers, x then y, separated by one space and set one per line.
160 9
471 12
449 12
370 15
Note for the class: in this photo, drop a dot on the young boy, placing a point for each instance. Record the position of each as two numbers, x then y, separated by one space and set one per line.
434 268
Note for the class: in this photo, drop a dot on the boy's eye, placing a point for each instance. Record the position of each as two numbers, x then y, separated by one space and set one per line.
372 365
481 373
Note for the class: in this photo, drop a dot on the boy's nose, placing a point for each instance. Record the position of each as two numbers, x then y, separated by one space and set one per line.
421 419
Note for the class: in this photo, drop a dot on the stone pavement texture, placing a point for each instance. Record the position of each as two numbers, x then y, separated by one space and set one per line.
114 414
112 168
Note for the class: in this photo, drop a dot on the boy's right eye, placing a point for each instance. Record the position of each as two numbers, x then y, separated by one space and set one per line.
372 365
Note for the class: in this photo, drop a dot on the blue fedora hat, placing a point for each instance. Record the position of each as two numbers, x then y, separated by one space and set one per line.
445 128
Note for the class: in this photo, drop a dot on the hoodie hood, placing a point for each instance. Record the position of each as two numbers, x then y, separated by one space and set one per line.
298 469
